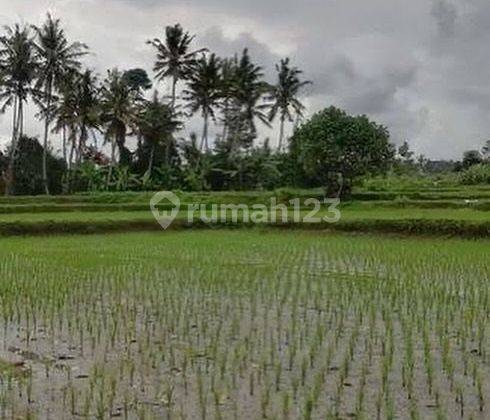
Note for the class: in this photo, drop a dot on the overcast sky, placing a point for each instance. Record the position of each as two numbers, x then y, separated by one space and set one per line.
421 67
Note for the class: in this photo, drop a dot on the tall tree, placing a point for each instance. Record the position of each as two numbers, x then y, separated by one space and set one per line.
156 125
203 92
66 114
248 102
88 109
77 113
118 105
284 96
174 58
226 86
56 56
17 70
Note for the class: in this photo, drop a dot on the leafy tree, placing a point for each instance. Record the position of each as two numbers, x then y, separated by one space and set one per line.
28 179
406 163
471 157
422 162
284 96
56 56
260 169
203 91
174 58
17 71
137 79
231 170
405 153
339 148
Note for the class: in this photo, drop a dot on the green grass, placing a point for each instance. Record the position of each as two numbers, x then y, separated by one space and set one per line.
482 205
246 324
422 193
462 224
456 194
467 223
347 214
247 197
381 211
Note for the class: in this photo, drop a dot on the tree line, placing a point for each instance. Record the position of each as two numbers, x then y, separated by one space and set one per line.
39 64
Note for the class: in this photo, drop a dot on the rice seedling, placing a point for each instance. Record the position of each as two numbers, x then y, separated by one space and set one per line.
244 324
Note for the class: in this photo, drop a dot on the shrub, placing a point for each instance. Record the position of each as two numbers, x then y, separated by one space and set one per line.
476 174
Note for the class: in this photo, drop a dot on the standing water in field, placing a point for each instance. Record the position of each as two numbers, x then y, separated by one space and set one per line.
248 324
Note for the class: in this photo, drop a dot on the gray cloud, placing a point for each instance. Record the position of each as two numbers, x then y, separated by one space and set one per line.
445 15
359 92
420 67
260 53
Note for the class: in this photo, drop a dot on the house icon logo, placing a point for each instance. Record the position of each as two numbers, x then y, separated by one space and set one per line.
165 206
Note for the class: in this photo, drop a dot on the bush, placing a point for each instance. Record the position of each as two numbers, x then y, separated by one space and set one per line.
395 182
476 174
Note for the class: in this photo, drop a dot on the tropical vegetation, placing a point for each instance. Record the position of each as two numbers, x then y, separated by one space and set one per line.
122 131
97 118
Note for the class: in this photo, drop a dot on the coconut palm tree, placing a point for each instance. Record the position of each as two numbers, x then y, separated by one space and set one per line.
247 106
226 85
174 58
156 124
56 56
17 71
284 96
88 108
65 114
118 112
77 114
203 91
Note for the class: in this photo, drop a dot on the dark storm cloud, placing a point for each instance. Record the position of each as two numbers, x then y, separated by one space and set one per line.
420 66
260 53
358 92
378 95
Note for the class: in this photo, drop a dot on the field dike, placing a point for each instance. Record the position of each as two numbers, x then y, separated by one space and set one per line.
422 227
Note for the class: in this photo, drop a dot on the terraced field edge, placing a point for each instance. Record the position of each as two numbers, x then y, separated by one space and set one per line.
422 227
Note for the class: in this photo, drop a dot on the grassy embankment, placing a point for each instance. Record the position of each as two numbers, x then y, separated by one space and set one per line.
444 210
